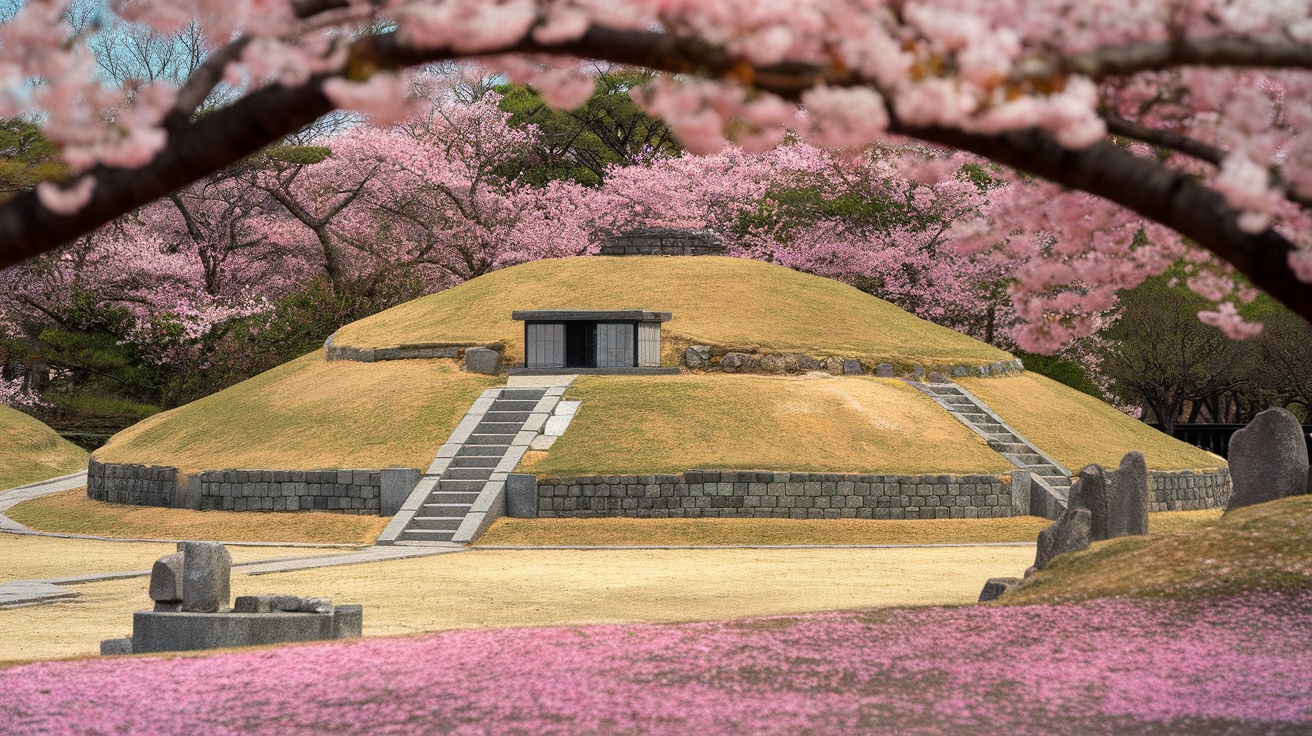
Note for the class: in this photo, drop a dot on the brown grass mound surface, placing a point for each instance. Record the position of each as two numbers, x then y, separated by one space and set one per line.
1267 547
1078 429
310 414
727 302
668 424
680 532
72 512
30 451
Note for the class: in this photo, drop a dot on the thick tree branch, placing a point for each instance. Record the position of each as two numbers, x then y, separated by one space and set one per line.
1164 139
1156 55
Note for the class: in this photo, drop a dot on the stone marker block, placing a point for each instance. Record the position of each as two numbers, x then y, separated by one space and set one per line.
116 647
522 496
1268 459
884 370
348 622
482 360
852 368
938 377
395 485
206 575
1126 510
166 579
996 587
697 356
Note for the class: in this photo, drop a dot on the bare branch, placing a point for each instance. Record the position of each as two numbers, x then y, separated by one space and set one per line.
201 83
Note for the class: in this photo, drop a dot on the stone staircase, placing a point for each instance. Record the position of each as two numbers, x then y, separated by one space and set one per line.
1050 476
458 497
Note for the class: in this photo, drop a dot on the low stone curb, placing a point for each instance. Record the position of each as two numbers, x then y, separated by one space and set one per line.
620 547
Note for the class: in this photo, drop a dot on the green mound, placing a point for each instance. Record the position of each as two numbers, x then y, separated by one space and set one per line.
30 451
310 414
729 303
1076 429
1267 547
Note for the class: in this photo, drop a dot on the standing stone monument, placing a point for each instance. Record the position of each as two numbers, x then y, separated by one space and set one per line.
206 573
1101 505
1268 459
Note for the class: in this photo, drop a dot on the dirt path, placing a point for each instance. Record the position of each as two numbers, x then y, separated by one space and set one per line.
489 589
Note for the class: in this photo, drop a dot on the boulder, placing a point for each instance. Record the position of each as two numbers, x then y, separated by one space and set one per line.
994 588
960 370
917 371
731 362
884 370
206 575
984 370
116 647
772 364
166 579
697 356
805 362
1070 533
1268 459
852 368
938 377
482 360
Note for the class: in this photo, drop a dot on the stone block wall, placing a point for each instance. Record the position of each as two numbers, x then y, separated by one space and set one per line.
663 242
342 491
1186 490
139 485
765 494
399 352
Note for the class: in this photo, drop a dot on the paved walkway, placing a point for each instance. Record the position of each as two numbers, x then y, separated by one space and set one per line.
15 496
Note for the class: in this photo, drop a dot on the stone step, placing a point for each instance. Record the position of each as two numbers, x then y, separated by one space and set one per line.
465 498
479 474
943 389
475 461
532 394
500 405
979 420
508 428
461 486
496 451
507 416
425 535
501 440
457 510
440 523
1009 447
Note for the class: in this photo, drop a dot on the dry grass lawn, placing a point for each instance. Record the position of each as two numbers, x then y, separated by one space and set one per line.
724 302
494 589
72 512
30 451
309 414
640 532
668 424
1078 429
1266 547
29 557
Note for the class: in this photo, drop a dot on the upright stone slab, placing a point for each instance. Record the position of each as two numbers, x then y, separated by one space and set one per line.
166 582
395 485
1126 510
206 575
482 360
522 496
1268 459
1070 533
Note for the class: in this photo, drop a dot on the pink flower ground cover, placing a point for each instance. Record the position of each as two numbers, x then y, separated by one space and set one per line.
1238 665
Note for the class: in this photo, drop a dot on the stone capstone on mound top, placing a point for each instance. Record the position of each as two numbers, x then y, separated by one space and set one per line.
663 241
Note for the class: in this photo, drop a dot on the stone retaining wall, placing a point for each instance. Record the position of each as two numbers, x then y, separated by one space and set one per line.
716 359
399 352
139 485
342 491
1185 490
764 494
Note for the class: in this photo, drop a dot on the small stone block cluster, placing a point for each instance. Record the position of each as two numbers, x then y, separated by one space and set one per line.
1102 505
1268 459
192 588
766 494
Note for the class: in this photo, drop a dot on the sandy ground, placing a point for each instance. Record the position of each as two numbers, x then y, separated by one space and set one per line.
489 588
24 557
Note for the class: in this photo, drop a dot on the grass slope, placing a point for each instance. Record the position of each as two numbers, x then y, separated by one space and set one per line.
1267 547
30 451
726 302
1078 429
308 414
73 513
668 424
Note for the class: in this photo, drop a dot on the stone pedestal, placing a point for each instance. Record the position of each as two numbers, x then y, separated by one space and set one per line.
183 632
